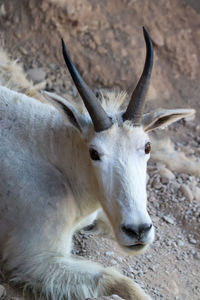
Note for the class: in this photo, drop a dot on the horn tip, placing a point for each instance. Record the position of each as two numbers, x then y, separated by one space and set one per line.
148 39
63 43
146 34
144 29
65 51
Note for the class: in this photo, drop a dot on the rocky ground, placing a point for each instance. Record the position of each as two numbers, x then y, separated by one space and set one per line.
105 40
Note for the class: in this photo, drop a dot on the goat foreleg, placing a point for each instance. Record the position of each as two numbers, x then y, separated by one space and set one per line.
61 278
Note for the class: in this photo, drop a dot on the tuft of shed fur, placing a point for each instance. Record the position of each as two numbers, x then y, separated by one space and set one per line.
13 76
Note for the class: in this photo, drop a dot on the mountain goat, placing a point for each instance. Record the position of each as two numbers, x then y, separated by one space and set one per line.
59 164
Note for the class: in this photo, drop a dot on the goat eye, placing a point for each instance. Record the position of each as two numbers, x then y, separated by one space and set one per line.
94 154
147 148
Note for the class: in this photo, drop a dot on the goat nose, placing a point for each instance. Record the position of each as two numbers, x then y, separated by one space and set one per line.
137 232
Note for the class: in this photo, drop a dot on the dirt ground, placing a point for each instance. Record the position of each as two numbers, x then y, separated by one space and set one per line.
106 43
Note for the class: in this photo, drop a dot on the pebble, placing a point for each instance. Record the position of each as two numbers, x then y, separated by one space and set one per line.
140 273
192 240
175 186
119 259
195 191
186 191
152 268
156 184
2 11
166 175
157 36
113 262
36 75
180 243
168 242
74 91
168 219
131 269
197 255
192 251
2 291
109 253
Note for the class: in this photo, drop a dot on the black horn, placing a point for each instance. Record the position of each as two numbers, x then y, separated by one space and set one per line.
99 117
136 105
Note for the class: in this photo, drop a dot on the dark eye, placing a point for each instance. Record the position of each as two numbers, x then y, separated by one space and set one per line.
147 148
94 154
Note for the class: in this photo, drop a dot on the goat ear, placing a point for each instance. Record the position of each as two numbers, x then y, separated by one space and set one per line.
66 109
164 117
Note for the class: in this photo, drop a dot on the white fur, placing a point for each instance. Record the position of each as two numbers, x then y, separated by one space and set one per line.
49 186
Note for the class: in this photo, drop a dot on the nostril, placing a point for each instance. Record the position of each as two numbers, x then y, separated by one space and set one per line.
144 228
130 230
134 231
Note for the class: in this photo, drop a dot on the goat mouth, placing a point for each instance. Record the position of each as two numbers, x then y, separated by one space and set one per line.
136 247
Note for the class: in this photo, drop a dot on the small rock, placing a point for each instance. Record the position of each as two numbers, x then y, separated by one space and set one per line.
36 75
185 190
195 191
119 259
140 273
192 240
180 243
175 185
197 194
156 184
2 10
197 255
74 91
131 269
174 244
168 242
166 175
113 262
157 36
192 251
168 219
152 268
179 180
2 291
109 253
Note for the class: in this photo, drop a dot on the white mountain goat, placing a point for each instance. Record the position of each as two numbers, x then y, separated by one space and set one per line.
59 164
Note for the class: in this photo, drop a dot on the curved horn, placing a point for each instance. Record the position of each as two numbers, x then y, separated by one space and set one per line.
136 105
99 117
